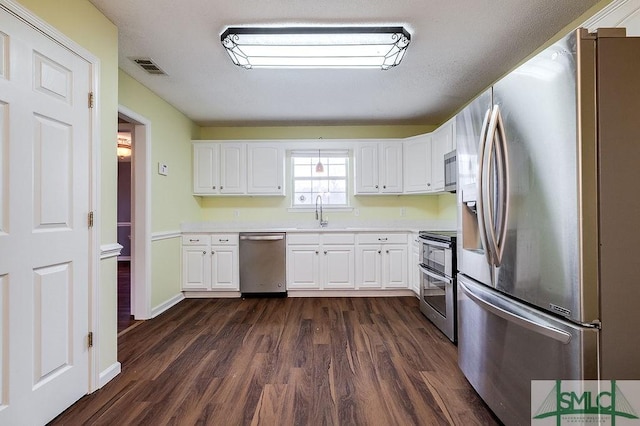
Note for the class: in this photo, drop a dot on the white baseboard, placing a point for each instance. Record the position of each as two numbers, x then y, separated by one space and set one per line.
350 293
212 294
109 374
166 305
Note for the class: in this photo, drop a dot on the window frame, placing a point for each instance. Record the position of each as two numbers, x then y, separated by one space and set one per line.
324 155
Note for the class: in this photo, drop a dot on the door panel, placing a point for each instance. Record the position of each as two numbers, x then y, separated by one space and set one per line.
540 262
44 236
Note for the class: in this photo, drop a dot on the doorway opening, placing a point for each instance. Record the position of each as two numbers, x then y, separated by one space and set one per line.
134 293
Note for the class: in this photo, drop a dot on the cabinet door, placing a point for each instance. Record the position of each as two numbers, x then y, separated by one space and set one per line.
303 267
224 268
414 270
391 167
265 169
417 164
205 168
442 143
195 268
366 168
395 266
338 267
233 168
369 266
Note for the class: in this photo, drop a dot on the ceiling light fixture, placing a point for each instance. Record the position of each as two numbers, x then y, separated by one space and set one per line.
316 47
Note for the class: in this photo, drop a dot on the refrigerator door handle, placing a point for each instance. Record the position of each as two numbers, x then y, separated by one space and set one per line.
488 203
498 145
480 202
504 308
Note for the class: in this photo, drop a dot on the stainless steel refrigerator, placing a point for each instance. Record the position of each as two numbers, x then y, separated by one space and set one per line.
549 222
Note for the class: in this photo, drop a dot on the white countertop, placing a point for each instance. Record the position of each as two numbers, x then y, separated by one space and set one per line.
351 226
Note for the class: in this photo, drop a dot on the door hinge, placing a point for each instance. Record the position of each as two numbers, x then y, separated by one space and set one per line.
90 339
90 99
90 219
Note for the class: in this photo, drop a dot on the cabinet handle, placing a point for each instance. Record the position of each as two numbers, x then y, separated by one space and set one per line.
317 252
223 241
387 251
382 239
220 186
204 252
384 186
213 187
325 252
376 186
379 251
428 184
279 187
197 240
213 252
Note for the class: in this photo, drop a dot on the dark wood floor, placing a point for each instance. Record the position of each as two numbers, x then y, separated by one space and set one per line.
125 319
291 361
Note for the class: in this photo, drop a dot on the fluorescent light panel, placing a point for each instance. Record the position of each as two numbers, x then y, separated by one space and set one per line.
316 47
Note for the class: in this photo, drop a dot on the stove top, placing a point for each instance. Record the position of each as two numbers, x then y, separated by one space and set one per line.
449 236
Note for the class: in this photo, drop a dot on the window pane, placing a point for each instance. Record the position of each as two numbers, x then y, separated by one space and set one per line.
302 186
302 198
337 198
302 171
336 185
330 184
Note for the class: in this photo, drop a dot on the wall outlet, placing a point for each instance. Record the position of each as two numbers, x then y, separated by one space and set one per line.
163 169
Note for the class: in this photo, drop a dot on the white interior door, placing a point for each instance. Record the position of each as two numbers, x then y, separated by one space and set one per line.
44 236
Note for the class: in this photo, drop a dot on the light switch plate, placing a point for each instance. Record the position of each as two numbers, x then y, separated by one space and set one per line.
163 169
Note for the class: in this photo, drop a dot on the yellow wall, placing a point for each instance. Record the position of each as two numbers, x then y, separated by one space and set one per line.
83 23
171 199
313 132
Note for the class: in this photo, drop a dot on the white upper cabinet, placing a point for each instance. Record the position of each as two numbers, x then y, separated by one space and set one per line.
378 168
442 143
417 164
238 168
265 169
206 168
233 168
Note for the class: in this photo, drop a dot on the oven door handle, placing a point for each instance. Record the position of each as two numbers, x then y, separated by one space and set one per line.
434 275
435 243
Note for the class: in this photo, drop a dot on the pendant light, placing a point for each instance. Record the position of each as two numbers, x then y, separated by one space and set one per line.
319 166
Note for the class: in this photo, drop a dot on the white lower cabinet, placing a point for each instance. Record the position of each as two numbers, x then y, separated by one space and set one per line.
414 271
210 262
317 262
381 261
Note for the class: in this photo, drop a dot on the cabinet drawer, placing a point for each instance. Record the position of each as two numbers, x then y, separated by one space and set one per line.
224 239
195 240
303 239
385 238
338 238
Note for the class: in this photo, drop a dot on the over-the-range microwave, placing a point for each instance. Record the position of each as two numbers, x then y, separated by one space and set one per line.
450 171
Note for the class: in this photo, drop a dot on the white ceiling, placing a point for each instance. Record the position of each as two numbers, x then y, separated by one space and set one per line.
457 49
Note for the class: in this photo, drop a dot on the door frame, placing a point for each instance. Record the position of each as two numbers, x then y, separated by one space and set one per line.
95 127
140 213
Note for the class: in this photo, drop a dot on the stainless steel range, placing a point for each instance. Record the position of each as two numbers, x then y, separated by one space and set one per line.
437 282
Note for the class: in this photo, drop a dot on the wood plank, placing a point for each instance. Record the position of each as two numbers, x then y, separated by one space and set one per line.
285 361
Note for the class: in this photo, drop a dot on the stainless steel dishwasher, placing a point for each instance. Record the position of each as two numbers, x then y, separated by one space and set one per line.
263 264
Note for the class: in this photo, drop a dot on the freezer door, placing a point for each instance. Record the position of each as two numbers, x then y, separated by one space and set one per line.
470 129
504 344
540 258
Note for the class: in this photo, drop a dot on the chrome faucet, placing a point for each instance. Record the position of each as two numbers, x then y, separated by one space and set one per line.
323 222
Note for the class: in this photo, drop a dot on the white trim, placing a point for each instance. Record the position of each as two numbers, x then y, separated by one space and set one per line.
166 305
165 235
94 174
110 250
211 294
305 209
350 293
141 214
612 15
109 374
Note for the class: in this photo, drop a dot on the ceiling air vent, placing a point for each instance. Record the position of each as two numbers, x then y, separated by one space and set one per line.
148 65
